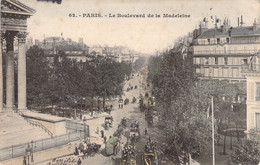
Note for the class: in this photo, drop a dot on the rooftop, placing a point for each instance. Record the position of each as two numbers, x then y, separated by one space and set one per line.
233 31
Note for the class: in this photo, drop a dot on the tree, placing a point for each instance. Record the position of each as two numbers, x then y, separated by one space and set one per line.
248 152
181 103
37 76
109 79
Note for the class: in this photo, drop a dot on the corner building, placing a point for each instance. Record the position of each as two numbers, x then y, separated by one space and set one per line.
219 53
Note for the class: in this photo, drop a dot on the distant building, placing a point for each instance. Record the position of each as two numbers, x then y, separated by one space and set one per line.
219 52
81 52
73 50
29 42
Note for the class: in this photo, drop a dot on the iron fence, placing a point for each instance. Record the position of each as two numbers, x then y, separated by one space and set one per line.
43 144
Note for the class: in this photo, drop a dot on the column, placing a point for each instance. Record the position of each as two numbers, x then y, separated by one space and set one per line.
1 74
9 71
22 71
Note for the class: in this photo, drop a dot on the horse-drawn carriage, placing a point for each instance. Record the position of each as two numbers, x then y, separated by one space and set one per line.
128 156
108 122
149 117
123 122
126 101
119 131
134 133
112 146
90 147
150 156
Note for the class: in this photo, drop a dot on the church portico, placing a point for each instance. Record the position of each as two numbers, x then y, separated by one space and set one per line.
14 17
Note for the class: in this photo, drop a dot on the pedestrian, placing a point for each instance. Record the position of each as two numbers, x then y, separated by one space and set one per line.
80 116
122 106
145 131
105 139
91 112
102 133
24 160
111 106
76 151
97 130
119 106
79 162
149 139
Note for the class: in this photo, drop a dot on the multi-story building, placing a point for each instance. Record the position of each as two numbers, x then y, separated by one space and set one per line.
219 52
253 97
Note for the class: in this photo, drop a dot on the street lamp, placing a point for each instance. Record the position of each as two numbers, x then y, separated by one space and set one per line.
32 152
75 110
85 131
28 152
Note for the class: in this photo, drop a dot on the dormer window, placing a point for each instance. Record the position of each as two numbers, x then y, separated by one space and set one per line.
227 40
245 61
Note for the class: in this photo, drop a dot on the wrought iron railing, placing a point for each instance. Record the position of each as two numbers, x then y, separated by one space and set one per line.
35 123
38 124
244 51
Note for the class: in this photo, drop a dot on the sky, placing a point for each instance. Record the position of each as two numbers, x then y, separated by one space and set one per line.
146 35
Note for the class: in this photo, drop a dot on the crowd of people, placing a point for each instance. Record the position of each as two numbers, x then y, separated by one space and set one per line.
150 146
128 152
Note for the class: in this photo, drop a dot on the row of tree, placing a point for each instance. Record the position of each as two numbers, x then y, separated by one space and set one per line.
65 82
183 100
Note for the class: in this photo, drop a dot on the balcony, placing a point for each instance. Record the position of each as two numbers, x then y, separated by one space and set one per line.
226 52
249 69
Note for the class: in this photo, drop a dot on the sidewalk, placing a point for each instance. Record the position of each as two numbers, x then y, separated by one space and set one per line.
41 156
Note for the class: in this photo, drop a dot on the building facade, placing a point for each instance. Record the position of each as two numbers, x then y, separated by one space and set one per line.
219 52
13 27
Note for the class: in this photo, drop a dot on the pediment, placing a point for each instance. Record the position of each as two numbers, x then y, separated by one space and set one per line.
16 7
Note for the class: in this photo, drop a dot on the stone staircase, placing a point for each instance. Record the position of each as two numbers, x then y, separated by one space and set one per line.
16 130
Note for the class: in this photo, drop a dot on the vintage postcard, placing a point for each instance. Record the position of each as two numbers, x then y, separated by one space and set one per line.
130 82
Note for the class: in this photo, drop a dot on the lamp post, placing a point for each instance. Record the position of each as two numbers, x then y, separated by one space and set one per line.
28 152
32 152
75 110
85 131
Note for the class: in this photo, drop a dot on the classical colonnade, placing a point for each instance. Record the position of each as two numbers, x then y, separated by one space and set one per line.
8 38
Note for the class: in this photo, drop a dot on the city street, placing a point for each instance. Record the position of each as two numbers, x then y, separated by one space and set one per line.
131 112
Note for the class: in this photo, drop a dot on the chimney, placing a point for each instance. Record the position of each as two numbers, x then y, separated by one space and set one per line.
202 28
242 20
256 25
225 26
238 21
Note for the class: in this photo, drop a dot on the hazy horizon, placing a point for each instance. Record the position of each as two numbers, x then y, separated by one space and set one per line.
146 35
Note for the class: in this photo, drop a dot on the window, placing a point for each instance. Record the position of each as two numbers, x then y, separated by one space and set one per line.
225 60
225 72
215 72
216 60
208 41
206 60
197 60
220 73
245 61
257 94
257 120
206 71
218 41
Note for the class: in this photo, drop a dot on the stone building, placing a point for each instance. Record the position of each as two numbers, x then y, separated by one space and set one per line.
219 52
14 17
